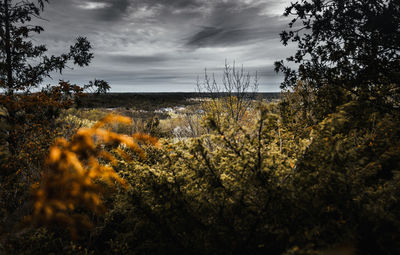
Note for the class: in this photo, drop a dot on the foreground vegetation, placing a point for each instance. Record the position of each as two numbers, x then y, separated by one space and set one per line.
268 183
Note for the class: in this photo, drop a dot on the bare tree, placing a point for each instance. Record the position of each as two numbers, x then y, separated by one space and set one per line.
234 96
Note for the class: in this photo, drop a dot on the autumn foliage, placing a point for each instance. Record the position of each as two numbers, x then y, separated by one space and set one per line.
74 170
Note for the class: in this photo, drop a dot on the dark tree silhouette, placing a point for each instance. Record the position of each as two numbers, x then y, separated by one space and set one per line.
17 73
24 65
98 86
347 45
29 124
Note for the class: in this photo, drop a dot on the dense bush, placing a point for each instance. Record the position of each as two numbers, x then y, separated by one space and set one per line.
283 185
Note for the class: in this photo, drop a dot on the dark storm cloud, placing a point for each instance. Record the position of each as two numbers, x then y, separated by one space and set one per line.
235 23
165 44
205 35
114 9
176 4
139 60
213 36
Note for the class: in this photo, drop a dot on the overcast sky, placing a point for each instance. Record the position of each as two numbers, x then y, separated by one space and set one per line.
163 45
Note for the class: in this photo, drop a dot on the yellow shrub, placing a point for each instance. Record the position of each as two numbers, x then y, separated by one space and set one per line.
74 166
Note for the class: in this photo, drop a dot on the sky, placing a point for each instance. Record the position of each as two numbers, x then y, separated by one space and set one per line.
164 45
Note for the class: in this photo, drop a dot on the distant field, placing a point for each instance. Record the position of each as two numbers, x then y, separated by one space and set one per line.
150 101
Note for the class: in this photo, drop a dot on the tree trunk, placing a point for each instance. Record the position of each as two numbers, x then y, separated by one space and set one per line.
10 86
11 117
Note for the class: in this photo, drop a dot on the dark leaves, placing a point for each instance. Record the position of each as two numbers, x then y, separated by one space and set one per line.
347 44
80 52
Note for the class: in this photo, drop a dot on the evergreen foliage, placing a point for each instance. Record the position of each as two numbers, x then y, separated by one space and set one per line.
344 47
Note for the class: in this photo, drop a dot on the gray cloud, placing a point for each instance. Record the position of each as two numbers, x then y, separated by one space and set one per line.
139 60
213 36
173 4
114 9
235 23
165 44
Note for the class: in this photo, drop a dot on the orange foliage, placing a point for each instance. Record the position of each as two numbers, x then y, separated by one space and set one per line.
74 169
